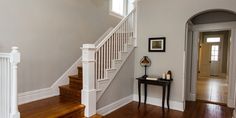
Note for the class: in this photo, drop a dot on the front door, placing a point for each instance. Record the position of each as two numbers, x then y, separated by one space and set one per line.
215 59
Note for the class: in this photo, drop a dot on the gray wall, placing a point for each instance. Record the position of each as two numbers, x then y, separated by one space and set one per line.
49 34
168 18
121 86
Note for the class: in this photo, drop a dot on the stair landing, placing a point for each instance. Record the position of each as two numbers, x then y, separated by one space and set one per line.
54 107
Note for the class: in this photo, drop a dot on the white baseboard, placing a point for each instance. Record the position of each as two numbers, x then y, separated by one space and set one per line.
176 105
51 91
234 114
230 103
36 95
192 97
115 105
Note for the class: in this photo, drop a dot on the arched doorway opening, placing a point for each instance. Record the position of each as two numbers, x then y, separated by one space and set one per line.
209 57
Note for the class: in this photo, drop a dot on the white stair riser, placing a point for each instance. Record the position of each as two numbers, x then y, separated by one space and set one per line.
110 73
122 55
116 63
131 41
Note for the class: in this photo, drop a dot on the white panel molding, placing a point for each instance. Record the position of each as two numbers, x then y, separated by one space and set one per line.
176 105
115 105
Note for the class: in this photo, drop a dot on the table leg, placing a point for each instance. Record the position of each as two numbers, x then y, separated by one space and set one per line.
145 92
163 97
168 96
139 93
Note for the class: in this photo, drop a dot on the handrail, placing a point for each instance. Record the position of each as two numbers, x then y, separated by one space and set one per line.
103 36
5 55
113 31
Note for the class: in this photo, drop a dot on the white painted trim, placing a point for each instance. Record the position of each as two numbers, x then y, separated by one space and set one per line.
112 13
71 71
192 97
35 95
234 114
232 74
230 103
176 105
103 36
115 105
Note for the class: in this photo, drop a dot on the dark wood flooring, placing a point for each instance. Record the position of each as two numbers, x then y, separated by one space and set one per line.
198 109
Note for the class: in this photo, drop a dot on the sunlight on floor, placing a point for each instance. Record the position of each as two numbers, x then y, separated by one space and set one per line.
212 89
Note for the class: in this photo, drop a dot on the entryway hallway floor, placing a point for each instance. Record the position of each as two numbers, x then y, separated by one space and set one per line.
196 109
213 89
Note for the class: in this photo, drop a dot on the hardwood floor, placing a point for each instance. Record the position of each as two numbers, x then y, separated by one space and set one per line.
193 110
54 107
212 89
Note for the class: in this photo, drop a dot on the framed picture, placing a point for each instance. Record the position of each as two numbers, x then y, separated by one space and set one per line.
157 44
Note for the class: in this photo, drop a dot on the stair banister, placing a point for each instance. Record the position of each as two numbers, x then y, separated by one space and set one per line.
99 61
115 29
8 84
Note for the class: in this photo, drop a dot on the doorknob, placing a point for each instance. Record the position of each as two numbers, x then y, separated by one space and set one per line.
209 61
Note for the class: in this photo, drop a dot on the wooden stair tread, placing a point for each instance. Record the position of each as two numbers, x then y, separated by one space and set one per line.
67 87
96 116
75 77
53 107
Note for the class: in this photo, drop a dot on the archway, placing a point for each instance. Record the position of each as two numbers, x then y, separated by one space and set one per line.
207 21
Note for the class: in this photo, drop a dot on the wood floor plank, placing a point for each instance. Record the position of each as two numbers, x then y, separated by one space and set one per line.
197 109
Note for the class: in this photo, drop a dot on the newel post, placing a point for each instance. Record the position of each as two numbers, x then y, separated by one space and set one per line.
89 91
14 59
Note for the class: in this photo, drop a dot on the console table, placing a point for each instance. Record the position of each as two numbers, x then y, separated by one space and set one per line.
159 82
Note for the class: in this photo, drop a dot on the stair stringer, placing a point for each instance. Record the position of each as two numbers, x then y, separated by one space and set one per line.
103 84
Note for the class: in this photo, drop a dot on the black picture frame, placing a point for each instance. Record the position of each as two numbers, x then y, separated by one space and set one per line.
157 44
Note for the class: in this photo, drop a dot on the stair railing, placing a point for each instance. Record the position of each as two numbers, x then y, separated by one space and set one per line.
96 59
8 84
115 42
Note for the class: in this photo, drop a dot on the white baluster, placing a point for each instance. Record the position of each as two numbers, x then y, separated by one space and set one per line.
102 59
106 55
109 52
99 64
112 46
15 59
135 25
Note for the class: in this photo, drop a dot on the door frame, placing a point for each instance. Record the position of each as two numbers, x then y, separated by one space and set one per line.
191 94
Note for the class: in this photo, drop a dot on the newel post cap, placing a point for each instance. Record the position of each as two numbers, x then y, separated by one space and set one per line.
88 46
15 55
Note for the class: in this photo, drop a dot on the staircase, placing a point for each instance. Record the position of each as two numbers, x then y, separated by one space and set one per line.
101 62
66 105
73 90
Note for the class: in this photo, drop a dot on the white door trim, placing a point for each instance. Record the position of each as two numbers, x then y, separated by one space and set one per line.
232 74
